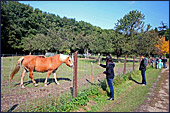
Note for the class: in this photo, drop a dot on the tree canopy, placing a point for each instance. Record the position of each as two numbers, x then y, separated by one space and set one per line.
162 46
26 30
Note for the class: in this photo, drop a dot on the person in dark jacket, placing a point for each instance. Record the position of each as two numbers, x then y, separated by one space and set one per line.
164 60
153 61
109 74
142 67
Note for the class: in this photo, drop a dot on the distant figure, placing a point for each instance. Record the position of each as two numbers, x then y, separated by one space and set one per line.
149 60
153 61
159 63
164 60
156 63
142 67
109 74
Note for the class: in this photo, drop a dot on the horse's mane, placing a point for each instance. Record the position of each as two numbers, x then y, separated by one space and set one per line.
41 56
63 57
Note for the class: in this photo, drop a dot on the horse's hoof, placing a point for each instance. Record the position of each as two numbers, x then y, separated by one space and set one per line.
35 85
45 85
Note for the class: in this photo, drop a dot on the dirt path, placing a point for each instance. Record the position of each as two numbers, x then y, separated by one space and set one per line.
158 96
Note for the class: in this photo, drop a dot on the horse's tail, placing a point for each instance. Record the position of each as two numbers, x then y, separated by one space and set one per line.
17 67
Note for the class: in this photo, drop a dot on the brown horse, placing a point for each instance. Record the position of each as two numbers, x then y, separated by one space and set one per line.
32 63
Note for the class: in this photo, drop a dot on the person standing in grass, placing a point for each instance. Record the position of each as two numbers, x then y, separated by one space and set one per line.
164 60
153 61
160 63
142 67
156 63
109 74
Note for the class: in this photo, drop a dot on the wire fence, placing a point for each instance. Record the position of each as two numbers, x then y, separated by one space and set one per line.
15 98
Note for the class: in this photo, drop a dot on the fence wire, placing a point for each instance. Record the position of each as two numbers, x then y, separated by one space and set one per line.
15 98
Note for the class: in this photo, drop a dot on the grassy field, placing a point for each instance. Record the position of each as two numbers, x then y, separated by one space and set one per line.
84 68
63 72
129 94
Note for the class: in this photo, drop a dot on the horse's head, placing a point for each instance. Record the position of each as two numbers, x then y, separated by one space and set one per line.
69 62
66 59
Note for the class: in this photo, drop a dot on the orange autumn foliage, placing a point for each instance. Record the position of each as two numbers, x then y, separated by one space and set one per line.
163 46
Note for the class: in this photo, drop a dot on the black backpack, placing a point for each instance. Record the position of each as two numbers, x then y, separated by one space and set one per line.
143 66
145 62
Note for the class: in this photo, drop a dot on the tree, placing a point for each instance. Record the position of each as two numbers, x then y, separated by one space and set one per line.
101 41
119 45
31 30
131 23
162 46
42 43
28 43
94 43
146 42
128 26
163 31
13 15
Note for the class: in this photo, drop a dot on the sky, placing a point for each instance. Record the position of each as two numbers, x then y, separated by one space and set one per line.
105 14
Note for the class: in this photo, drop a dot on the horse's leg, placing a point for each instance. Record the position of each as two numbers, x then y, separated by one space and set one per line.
22 78
31 77
48 74
55 78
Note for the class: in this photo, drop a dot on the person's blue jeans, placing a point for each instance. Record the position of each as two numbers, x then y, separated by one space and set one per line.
143 77
110 83
165 65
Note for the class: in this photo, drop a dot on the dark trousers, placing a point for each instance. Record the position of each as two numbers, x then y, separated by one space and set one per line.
143 77
110 83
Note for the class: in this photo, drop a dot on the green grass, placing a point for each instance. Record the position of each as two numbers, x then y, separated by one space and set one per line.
84 68
128 95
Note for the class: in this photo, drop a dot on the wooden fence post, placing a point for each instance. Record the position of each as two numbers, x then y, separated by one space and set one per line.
124 72
75 76
134 62
92 72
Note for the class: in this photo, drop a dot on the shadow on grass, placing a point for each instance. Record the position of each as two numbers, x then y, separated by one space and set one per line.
90 82
130 78
12 108
71 90
102 84
42 80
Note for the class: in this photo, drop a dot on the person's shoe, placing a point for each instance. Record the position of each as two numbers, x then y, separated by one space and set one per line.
143 84
110 99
